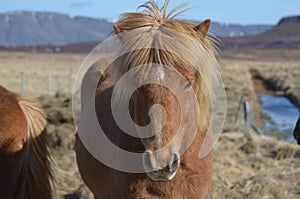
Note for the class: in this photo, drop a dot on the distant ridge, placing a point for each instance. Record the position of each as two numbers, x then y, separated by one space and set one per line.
289 20
237 30
26 28
40 28
285 35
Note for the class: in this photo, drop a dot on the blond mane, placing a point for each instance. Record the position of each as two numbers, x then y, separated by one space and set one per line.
154 36
35 116
35 174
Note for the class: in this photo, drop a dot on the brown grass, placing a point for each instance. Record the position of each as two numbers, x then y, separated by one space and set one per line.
256 167
37 67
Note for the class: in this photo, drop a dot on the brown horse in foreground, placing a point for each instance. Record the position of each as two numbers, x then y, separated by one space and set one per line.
24 157
185 175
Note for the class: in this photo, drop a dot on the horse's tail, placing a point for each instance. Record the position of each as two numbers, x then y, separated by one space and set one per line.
35 174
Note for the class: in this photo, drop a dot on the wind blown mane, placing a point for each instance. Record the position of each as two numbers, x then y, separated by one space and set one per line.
34 179
155 36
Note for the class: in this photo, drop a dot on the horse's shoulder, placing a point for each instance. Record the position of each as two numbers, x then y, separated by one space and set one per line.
12 122
3 90
8 105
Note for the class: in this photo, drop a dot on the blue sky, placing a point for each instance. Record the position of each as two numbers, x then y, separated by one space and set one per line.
226 11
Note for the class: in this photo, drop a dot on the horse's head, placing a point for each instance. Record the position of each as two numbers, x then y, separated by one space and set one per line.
165 110
175 103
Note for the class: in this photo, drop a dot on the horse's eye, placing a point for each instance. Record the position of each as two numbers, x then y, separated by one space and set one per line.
188 86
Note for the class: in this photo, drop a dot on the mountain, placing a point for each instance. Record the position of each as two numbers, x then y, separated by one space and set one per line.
36 28
235 30
286 34
42 28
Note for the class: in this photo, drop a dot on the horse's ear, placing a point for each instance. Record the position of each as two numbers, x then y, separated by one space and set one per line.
203 27
117 29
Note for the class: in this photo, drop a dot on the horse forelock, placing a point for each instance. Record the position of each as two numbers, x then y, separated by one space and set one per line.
153 36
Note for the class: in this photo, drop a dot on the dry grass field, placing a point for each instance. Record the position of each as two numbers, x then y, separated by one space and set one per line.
244 167
37 68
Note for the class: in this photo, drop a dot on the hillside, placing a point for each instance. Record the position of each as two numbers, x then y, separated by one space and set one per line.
44 28
37 28
234 30
286 35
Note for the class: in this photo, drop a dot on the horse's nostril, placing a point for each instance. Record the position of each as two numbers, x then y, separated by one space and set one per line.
175 163
172 167
168 168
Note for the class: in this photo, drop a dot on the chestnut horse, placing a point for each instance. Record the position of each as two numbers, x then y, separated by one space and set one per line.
171 175
24 158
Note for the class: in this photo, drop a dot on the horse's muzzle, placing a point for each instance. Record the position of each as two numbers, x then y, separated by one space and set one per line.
165 174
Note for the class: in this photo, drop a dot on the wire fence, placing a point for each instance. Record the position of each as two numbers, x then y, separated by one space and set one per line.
41 84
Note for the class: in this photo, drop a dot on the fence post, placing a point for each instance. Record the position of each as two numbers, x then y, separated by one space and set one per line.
23 83
245 113
248 114
49 84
